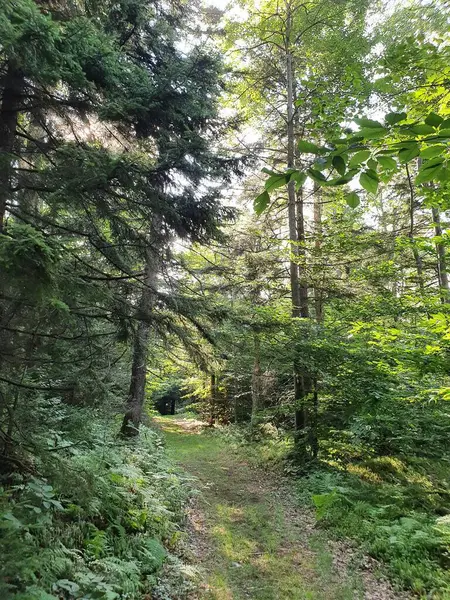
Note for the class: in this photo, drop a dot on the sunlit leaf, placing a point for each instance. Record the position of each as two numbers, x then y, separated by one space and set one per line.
363 122
429 171
276 181
432 151
422 129
387 162
407 154
359 158
299 178
372 133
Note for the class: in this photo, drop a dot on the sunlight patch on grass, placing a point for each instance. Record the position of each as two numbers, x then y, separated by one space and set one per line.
256 553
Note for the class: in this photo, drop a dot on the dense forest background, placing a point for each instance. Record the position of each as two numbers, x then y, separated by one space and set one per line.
242 210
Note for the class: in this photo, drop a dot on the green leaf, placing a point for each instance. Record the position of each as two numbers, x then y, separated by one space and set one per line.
373 134
323 502
359 158
389 152
299 177
387 162
352 199
393 118
261 203
434 120
316 175
322 163
363 122
339 164
276 181
269 171
444 133
428 174
432 162
434 139
372 164
407 154
443 175
404 144
422 129
368 182
308 147
342 180
432 151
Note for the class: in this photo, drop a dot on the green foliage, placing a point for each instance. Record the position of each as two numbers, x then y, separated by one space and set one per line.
96 532
385 514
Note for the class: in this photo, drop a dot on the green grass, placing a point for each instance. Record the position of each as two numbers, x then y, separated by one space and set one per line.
396 508
256 544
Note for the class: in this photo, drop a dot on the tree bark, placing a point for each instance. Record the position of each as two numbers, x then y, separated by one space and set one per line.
292 200
301 236
318 294
213 392
136 395
299 293
9 114
415 251
442 258
256 378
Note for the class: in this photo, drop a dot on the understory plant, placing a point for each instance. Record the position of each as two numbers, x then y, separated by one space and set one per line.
98 522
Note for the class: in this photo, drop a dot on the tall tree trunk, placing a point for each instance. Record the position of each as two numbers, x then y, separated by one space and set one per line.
301 236
136 395
256 378
292 200
442 258
415 251
318 293
9 114
299 292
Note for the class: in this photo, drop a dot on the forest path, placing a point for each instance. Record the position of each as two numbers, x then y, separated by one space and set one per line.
249 538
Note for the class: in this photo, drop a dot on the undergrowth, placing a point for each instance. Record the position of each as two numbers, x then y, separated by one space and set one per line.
97 522
396 511
397 508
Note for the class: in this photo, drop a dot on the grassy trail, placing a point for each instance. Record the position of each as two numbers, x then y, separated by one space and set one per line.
249 539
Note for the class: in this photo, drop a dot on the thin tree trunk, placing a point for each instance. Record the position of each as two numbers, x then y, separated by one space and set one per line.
9 114
136 395
296 224
442 258
301 236
292 200
256 379
318 294
213 392
415 251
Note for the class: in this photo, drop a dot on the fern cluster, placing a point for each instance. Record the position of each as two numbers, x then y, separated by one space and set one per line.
100 525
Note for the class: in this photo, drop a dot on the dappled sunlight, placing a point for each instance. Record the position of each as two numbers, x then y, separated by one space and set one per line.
256 544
